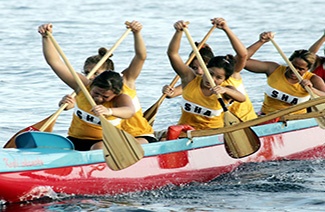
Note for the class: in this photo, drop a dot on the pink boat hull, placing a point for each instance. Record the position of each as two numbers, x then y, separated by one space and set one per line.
152 172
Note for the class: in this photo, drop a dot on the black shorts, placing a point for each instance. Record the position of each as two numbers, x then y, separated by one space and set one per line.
82 144
86 144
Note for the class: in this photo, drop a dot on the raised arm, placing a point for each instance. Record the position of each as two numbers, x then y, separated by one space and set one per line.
257 66
238 46
318 44
185 72
52 57
131 73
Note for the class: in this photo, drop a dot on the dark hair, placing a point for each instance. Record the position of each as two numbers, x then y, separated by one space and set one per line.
306 55
108 65
226 62
205 52
109 80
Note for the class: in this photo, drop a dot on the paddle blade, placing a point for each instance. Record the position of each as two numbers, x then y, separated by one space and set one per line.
239 143
150 113
121 149
35 127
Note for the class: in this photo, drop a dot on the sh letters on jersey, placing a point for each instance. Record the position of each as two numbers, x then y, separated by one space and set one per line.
87 117
293 100
198 109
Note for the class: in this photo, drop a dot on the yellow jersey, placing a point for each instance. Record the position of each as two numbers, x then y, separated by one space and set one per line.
243 110
85 124
198 110
280 94
137 125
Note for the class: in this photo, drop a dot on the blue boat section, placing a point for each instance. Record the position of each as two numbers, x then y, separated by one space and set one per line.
46 140
280 127
27 159
13 160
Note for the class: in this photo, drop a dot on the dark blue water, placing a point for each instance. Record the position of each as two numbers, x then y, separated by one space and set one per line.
30 91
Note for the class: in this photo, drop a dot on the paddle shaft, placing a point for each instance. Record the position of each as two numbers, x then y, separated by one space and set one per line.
91 73
203 66
54 116
81 85
259 120
239 143
120 148
308 89
192 56
320 120
150 112
73 72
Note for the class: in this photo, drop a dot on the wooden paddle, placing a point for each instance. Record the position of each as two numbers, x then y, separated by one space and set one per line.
259 120
308 115
151 112
91 73
120 148
320 120
48 123
239 143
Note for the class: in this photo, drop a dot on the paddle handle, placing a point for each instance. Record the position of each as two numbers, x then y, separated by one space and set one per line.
150 113
204 40
108 53
308 89
203 66
189 60
192 56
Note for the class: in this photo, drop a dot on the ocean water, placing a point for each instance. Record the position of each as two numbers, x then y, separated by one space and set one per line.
30 91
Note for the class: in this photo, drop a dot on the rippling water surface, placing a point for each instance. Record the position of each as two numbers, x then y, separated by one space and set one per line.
30 91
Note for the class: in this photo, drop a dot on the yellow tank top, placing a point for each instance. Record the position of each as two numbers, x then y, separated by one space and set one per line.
280 94
198 110
137 125
244 110
85 124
